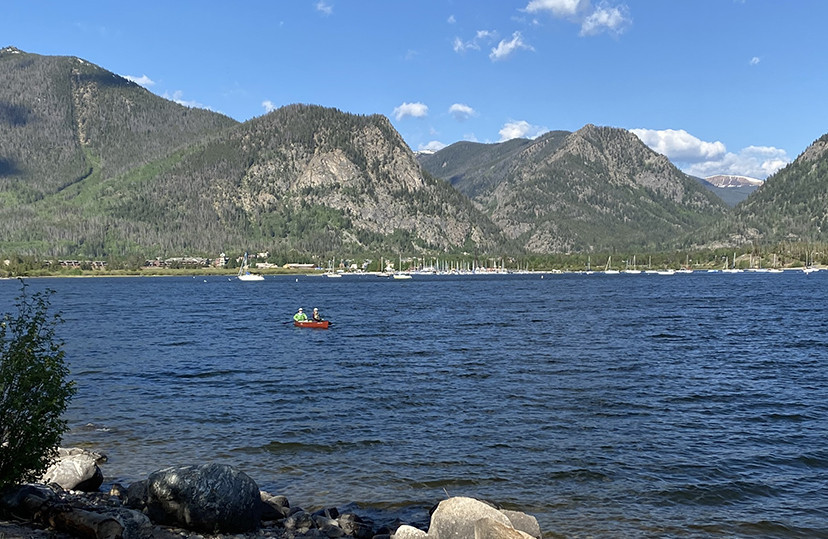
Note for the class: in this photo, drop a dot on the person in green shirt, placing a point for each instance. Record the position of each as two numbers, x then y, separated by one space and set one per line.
300 316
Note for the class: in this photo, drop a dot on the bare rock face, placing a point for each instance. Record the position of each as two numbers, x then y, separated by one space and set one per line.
816 150
212 498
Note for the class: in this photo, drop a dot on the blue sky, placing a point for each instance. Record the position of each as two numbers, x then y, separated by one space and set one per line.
719 86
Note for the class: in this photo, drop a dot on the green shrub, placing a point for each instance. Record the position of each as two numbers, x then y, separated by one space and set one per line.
34 391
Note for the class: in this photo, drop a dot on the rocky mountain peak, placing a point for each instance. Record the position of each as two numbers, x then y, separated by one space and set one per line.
816 150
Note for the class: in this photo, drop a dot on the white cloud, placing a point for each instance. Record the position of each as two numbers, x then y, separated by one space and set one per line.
461 112
268 105
505 48
558 8
451 19
755 60
462 46
485 36
679 145
324 7
613 19
143 80
520 129
415 110
606 17
700 158
754 161
177 96
433 146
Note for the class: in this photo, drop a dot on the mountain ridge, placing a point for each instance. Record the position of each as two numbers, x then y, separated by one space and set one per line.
92 164
582 190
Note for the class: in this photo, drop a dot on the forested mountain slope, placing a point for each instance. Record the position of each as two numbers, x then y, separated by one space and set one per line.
63 119
790 206
307 178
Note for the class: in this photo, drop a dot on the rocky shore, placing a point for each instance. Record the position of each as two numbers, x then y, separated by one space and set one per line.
216 501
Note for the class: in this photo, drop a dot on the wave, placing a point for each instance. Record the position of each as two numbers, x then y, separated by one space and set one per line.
716 494
303 447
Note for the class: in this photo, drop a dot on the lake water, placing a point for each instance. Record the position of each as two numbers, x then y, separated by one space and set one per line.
605 405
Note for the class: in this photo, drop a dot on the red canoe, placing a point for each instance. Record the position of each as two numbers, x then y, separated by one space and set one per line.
312 324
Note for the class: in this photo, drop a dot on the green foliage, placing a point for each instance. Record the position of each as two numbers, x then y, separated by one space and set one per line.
34 391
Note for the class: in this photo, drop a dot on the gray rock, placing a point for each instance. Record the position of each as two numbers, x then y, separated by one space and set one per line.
136 525
332 530
523 522
76 469
136 495
300 522
212 498
454 518
355 526
274 507
409 532
68 512
26 500
486 528
329 512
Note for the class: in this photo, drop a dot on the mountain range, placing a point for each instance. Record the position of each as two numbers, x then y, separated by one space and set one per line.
94 165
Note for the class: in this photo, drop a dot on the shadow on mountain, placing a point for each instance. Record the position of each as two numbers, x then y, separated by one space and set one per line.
8 167
15 115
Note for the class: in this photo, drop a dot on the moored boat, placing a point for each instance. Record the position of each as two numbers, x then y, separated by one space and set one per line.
245 275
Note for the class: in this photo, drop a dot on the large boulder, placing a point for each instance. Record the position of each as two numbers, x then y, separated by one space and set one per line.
467 518
212 498
454 518
76 469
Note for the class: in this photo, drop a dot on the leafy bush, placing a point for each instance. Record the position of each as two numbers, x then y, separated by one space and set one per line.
34 391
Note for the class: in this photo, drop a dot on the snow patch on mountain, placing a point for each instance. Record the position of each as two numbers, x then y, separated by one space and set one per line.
726 180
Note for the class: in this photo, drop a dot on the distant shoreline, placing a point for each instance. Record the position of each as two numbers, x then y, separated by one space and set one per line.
321 273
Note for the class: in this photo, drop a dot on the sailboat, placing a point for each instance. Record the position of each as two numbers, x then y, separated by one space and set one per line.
245 275
634 269
809 268
400 274
734 269
686 267
608 270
